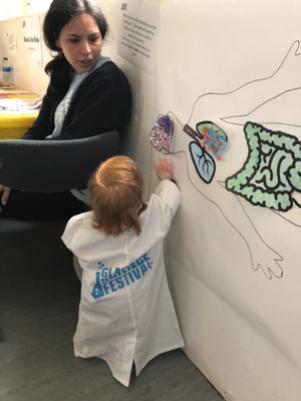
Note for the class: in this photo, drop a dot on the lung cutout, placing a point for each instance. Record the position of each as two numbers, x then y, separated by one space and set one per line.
213 138
203 162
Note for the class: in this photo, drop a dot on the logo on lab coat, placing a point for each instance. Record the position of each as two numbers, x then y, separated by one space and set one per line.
113 279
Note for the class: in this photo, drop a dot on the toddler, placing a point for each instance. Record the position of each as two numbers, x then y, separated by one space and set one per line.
126 314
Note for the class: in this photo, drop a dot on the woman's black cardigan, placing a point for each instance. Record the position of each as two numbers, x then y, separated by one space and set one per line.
101 103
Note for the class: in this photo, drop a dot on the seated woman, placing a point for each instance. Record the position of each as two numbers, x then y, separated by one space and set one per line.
87 94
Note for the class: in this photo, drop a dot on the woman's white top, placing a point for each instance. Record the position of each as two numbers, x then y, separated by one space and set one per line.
126 313
63 106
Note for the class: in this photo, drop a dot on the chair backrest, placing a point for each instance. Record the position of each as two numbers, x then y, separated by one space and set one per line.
47 166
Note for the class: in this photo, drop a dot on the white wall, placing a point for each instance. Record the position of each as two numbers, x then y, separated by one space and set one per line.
28 72
19 8
10 9
35 6
13 14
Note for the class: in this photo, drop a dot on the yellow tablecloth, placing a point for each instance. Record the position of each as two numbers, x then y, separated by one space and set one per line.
13 124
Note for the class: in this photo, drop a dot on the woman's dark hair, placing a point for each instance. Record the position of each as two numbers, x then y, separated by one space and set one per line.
59 14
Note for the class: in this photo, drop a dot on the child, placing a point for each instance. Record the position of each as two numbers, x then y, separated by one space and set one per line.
126 314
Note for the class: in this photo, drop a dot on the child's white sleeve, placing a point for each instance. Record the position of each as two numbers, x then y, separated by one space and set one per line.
170 195
70 233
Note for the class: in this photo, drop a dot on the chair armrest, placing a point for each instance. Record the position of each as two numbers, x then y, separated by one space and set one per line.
48 166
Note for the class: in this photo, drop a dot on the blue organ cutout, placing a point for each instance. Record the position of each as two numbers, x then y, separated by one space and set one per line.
203 162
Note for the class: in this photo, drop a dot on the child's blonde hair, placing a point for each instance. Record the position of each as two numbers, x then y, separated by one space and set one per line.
116 191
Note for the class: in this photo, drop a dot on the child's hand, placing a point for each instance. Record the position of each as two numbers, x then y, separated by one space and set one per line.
164 169
4 194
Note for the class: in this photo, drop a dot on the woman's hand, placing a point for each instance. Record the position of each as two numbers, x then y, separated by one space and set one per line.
164 169
4 194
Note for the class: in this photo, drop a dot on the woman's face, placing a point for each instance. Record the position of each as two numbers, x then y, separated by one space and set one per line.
81 41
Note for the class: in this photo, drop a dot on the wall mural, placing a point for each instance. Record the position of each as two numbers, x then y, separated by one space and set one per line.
269 177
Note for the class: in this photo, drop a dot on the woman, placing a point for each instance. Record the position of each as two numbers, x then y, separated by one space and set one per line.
87 94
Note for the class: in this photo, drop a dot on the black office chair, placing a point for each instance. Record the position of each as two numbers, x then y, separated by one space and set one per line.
46 166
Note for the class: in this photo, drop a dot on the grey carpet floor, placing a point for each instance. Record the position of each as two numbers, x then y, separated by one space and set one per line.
39 295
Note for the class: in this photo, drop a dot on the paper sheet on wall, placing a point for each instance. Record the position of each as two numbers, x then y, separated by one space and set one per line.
227 107
233 95
138 39
31 41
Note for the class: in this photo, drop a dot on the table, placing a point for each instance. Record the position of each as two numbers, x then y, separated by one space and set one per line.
18 110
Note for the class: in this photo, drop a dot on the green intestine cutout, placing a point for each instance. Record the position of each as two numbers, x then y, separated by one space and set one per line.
272 171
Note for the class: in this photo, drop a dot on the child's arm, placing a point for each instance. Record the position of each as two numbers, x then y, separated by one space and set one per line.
167 190
164 169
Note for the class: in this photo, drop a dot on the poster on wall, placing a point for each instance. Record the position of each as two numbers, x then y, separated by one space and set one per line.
227 112
223 103
31 41
138 39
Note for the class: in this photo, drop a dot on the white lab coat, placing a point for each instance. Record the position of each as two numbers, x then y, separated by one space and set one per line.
126 314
